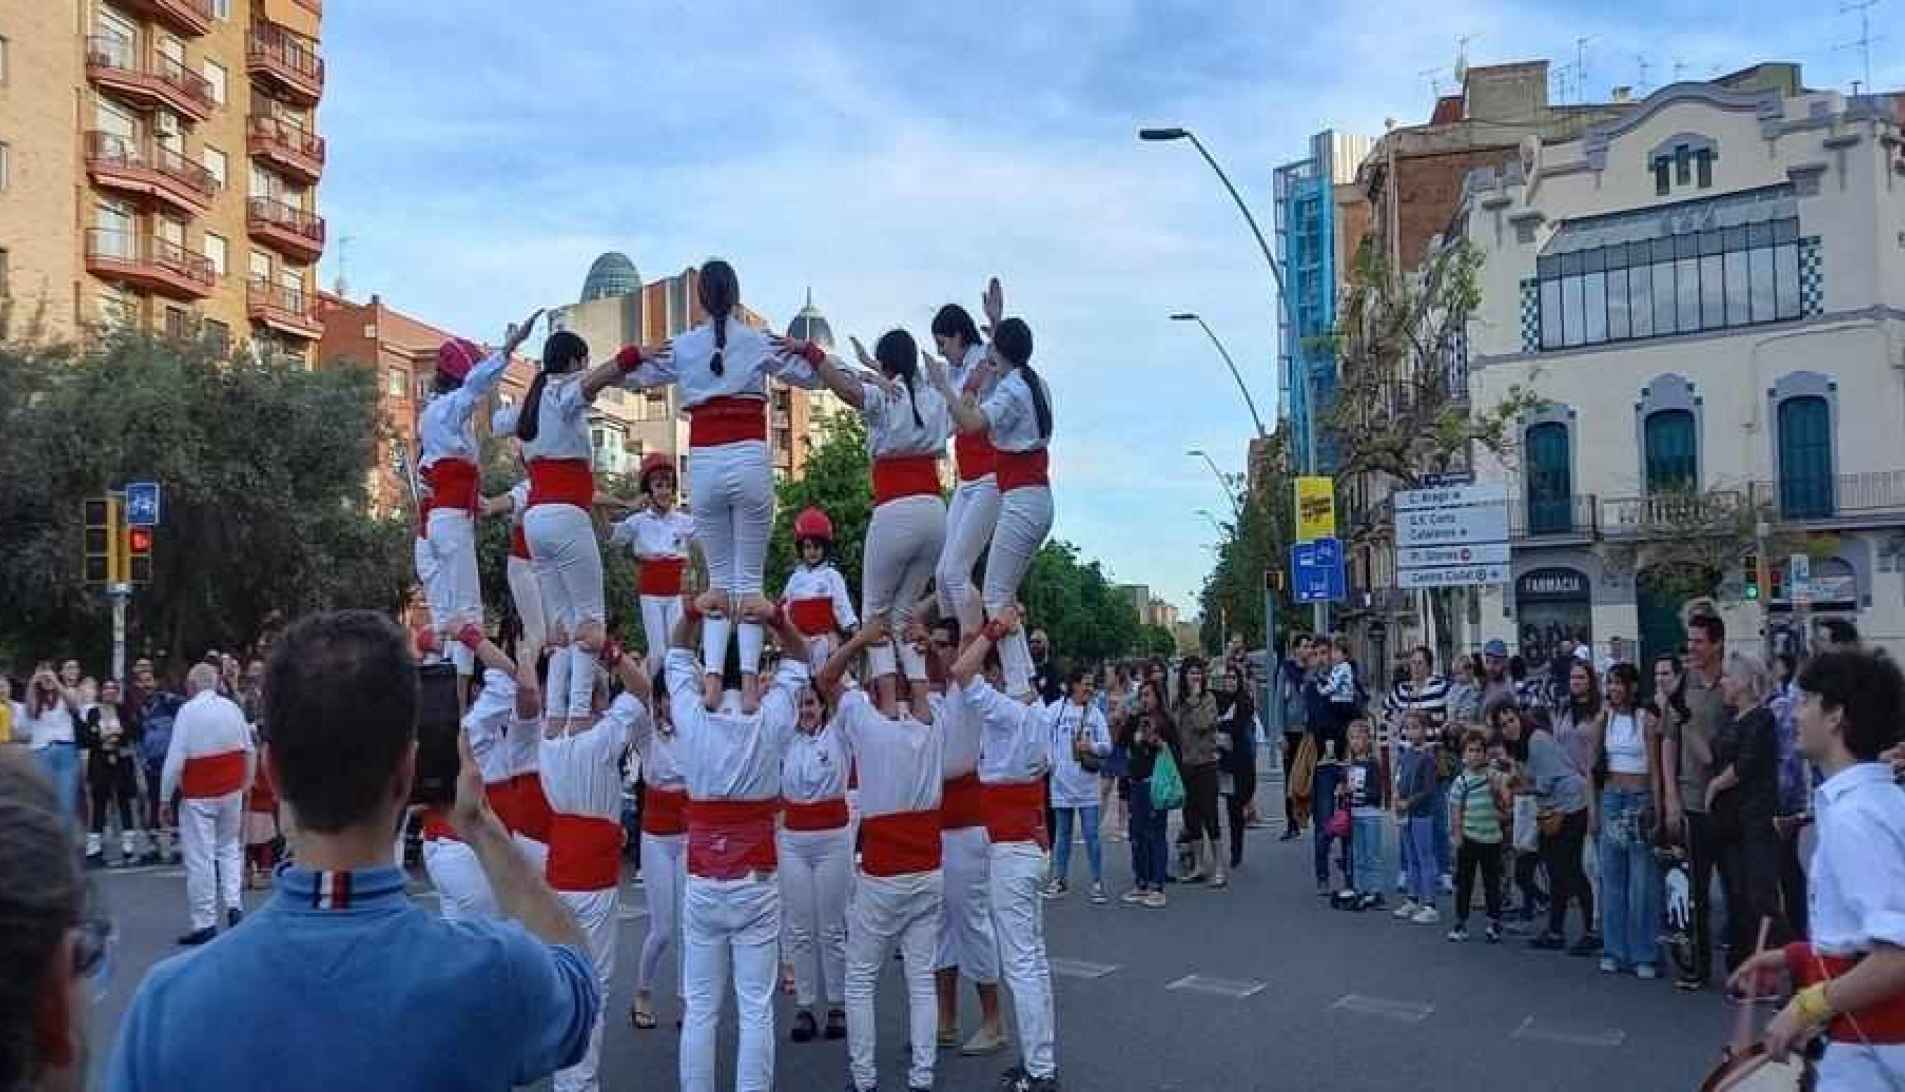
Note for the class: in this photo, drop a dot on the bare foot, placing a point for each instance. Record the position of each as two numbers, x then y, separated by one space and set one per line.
711 692
711 602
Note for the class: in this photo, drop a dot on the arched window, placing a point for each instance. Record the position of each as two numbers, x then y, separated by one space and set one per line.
1550 476
1805 458
1672 451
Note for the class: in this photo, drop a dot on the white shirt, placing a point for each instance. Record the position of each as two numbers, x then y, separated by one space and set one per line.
730 755
54 725
973 370
661 770
891 429
822 581
1073 786
1013 746
487 723
210 724
1011 418
1856 893
959 729
562 431
520 742
582 771
746 363
898 759
650 534
815 766
444 428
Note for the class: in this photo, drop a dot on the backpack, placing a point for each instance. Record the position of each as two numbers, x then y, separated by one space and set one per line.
156 720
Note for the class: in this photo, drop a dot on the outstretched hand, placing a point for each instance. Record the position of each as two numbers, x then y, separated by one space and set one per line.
519 332
994 304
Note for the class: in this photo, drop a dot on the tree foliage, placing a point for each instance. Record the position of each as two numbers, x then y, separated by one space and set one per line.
264 467
1256 543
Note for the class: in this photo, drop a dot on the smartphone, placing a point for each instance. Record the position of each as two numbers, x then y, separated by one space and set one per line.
438 725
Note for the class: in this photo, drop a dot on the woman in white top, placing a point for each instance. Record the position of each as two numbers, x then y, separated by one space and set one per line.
553 425
1078 729
721 368
975 502
50 711
524 592
1018 417
660 536
906 433
1630 883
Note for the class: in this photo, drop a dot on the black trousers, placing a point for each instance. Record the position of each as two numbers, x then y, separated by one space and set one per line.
1526 866
1703 856
1200 803
1561 852
1750 871
1470 858
1234 805
111 783
1792 884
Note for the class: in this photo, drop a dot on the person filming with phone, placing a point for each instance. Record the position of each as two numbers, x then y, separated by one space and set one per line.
339 980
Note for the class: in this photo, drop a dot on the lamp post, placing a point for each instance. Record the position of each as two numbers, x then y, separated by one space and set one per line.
1214 524
1249 402
1235 508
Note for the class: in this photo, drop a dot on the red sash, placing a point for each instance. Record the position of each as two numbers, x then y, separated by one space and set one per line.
899 476
812 617
1015 812
962 803
664 810
213 775
453 484
436 828
728 839
561 481
1883 1023
585 852
977 457
518 542
899 844
532 807
503 800
830 814
1022 469
727 420
661 575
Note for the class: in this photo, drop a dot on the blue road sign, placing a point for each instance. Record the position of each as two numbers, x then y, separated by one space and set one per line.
1316 571
142 504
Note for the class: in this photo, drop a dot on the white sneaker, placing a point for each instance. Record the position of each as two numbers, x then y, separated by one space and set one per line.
1098 897
1132 896
1054 890
1645 971
1426 915
1408 908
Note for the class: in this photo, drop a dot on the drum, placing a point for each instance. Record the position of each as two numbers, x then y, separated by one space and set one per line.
1753 1071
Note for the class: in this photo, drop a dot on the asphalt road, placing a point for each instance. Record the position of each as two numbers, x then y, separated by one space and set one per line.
1261 986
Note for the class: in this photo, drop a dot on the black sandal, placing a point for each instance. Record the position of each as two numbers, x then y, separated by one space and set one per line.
836 1024
804 1030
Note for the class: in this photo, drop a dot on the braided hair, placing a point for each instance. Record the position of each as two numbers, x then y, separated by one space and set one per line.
561 351
899 358
1013 340
719 291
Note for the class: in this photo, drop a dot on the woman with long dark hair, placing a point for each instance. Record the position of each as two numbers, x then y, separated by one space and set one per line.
1145 733
1017 416
1196 717
975 502
1504 719
1627 751
721 368
1078 730
906 433
1561 791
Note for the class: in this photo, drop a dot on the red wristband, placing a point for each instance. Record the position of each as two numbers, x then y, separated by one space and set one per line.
471 635
690 607
812 353
427 640
629 358
995 630
611 653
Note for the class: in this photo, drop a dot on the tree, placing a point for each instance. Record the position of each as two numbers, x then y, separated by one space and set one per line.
264 464
1156 641
1254 546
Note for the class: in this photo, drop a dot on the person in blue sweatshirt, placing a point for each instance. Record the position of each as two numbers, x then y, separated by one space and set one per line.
1415 809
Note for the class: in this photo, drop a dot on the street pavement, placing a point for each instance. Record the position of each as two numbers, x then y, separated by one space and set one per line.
1260 986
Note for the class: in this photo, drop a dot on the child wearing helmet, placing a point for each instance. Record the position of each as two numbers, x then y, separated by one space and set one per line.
816 594
659 535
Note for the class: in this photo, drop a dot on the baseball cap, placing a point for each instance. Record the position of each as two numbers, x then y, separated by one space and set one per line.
1497 647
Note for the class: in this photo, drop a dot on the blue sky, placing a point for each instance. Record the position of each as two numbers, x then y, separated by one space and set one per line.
892 156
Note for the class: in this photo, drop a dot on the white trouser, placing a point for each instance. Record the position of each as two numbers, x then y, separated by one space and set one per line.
814 865
966 940
595 912
733 490
659 615
568 566
1025 518
969 524
455 592
527 595
463 891
888 908
214 860
730 928
1018 920
664 868
902 546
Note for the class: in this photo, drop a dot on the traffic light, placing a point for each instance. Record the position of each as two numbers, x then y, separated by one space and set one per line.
1755 577
104 540
138 555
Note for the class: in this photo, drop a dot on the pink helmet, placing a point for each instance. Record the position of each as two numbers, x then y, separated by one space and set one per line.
457 356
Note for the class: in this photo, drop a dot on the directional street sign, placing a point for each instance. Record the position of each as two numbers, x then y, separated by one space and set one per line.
1457 576
1424 557
1452 535
1452 526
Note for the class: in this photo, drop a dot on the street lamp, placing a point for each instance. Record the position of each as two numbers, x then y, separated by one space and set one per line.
1191 316
1215 526
1200 453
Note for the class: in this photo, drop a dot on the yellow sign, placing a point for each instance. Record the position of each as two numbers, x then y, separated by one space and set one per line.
1315 508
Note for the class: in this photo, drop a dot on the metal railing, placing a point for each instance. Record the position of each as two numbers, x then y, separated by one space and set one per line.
150 251
281 298
1544 517
285 49
116 54
288 134
1833 496
113 150
1672 512
271 211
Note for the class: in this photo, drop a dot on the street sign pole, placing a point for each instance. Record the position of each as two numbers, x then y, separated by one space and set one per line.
119 594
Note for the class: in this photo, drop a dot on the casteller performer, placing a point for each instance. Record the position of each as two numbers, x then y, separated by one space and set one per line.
815 597
660 536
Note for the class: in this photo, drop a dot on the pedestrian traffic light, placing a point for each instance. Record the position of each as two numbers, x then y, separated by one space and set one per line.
1755 577
138 555
103 540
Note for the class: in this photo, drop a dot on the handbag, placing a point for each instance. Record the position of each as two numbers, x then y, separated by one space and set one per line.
1527 829
1339 824
1548 821
1167 788
1088 760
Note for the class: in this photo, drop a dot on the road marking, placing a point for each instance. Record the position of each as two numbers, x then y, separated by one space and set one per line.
142 870
1571 1034
426 894
1408 1012
1235 988
1080 968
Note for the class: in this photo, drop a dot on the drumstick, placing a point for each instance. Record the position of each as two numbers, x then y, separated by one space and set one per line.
1743 1026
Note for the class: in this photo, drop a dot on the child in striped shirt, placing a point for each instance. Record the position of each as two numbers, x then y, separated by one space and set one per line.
1479 798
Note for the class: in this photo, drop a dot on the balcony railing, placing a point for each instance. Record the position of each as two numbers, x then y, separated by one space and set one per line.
1554 517
150 262
1672 513
187 16
1813 497
290 228
288 60
292 148
114 64
282 307
151 169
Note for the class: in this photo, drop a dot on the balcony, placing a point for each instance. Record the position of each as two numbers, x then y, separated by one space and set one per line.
283 308
293 232
292 149
150 170
286 60
1674 513
1828 501
1554 520
193 17
150 263
113 66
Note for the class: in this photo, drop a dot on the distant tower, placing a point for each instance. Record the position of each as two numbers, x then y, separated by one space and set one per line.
612 274
811 325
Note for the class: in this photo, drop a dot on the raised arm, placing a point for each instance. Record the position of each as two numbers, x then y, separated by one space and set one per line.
489 372
628 669
621 368
837 664
972 658
966 414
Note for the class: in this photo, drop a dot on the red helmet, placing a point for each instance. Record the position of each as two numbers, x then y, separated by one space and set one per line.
813 523
457 356
652 462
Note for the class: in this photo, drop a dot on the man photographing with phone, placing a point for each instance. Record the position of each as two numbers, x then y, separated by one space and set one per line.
339 957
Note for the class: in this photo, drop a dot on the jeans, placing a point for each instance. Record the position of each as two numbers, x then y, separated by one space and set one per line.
1365 840
1419 831
1561 852
1322 804
1148 841
1630 880
1062 844
60 763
